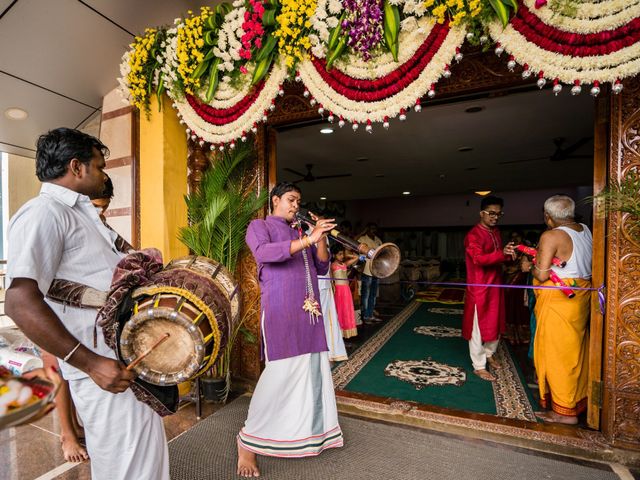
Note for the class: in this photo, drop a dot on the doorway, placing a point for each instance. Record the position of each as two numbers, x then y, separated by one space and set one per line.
422 181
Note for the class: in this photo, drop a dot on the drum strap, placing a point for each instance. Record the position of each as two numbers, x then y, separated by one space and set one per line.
75 294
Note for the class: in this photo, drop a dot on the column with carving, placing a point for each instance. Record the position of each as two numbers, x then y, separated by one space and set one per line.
197 162
621 412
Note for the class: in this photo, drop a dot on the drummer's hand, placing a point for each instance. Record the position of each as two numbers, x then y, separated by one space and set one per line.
111 375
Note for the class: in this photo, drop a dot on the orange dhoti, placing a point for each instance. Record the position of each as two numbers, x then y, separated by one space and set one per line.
561 348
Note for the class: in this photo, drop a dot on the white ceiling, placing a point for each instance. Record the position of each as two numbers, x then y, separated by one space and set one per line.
58 58
421 154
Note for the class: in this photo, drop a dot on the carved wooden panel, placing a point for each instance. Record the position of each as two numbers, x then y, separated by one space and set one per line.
197 163
621 413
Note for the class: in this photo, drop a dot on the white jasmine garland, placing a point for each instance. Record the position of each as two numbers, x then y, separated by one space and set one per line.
229 36
361 111
589 17
217 134
123 80
603 68
324 19
170 65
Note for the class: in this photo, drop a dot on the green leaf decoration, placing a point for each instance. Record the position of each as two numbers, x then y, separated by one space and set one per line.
501 11
267 48
214 75
262 67
391 28
335 54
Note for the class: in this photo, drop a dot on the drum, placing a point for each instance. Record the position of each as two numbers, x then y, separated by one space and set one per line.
193 299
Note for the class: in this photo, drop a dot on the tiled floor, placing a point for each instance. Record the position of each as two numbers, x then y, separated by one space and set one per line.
33 451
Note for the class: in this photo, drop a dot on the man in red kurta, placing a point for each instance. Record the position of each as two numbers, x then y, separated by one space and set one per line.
484 320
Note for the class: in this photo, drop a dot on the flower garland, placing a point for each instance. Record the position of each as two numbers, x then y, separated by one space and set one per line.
137 69
570 41
230 47
189 50
410 40
590 18
325 18
363 25
387 101
570 57
234 126
294 28
252 28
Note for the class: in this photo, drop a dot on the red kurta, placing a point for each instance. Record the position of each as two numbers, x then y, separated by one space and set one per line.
484 258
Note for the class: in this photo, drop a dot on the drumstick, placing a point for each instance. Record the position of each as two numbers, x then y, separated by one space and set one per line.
141 357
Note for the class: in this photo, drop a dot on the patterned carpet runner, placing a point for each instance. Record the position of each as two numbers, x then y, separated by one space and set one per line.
420 356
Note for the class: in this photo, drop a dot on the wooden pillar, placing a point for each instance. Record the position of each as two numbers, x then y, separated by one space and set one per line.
621 405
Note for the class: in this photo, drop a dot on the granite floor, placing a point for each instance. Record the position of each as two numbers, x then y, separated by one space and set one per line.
33 451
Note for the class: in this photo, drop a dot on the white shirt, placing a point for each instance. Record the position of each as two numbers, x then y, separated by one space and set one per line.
579 265
59 235
371 243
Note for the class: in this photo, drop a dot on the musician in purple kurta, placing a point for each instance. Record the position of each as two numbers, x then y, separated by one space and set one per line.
293 409
288 330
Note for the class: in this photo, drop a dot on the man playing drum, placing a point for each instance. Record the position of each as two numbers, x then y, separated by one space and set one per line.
293 410
59 235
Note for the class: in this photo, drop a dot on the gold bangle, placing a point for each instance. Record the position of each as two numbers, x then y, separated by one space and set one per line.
302 244
308 241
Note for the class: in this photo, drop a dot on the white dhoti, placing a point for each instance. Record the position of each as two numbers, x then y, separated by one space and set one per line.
293 410
125 438
337 350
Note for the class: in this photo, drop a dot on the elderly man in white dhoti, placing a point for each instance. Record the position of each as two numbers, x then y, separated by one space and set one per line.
59 235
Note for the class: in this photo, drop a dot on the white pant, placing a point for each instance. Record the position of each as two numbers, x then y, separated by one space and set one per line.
480 351
125 438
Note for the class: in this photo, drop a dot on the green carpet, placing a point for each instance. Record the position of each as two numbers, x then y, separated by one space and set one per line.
397 341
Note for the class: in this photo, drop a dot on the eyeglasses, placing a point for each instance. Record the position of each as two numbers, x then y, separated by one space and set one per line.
493 214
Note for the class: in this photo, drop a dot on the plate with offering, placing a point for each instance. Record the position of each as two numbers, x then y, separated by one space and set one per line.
23 399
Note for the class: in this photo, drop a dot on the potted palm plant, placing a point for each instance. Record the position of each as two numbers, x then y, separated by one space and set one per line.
219 212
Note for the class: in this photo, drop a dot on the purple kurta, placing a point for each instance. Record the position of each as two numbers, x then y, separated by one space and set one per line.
287 328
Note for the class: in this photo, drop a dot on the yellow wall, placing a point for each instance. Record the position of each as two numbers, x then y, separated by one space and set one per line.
163 181
23 183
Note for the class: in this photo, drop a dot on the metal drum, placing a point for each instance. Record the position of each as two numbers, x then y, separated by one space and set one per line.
193 299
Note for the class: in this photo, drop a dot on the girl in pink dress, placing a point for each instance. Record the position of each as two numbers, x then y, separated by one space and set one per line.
342 292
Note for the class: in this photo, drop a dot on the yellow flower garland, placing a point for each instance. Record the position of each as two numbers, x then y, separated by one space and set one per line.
455 10
294 25
190 49
137 80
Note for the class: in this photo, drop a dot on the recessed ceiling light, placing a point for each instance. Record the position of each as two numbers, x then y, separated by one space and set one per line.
15 113
406 193
379 175
465 149
362 159
323 198
483 193
474 109
326 130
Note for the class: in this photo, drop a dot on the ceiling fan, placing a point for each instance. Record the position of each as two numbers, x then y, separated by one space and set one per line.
559 153
310 177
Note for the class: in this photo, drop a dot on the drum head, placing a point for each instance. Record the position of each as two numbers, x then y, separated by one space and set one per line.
174 360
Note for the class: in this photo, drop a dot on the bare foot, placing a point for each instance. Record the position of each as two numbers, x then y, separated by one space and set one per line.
493 363
247 463
485 375
553 417
72 450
